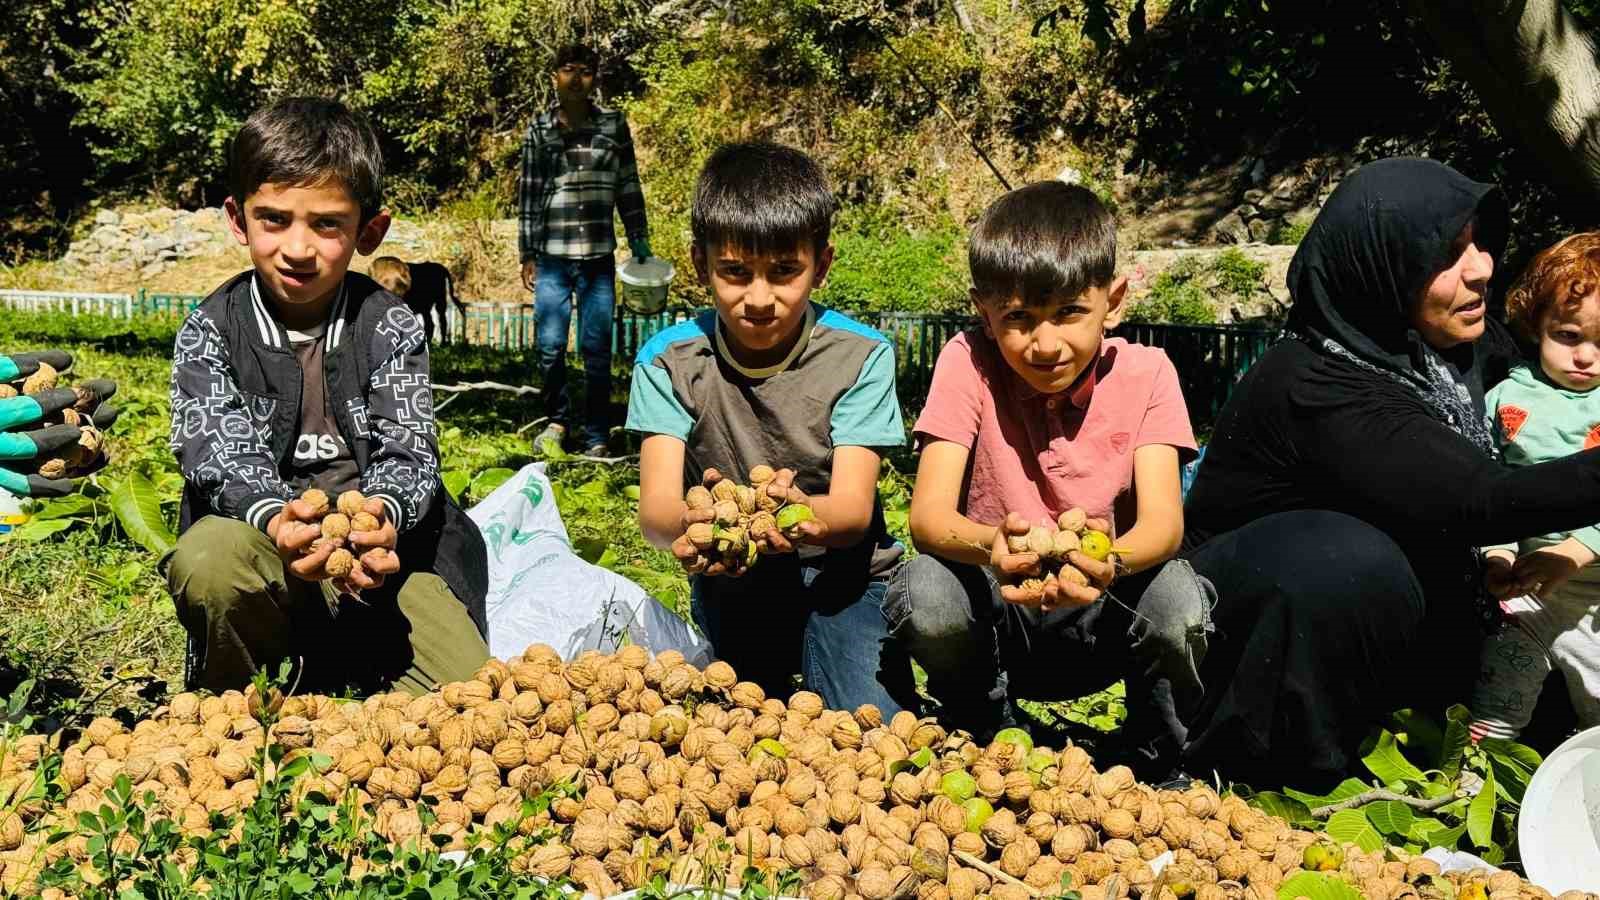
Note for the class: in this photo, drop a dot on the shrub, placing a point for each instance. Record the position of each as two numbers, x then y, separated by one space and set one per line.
900 272
1176 297
1238 274
1291 232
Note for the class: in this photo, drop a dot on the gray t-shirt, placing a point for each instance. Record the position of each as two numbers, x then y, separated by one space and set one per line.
836 389
321 459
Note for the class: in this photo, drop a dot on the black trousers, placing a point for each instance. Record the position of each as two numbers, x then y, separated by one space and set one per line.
1323 630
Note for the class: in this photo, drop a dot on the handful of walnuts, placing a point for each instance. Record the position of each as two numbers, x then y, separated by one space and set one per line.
1053 547
347 516
742 517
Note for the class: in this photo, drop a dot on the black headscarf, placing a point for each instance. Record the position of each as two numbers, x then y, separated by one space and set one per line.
1380 238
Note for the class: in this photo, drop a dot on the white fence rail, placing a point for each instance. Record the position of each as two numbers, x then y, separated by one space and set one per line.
74 302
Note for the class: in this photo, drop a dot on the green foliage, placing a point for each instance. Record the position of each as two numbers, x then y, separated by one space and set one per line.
1102 711
44 165
450 88
1292 232
1177 296
1472 792
1238 274
899 271
1183 293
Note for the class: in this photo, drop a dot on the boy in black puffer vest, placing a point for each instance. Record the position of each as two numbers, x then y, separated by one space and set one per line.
299 374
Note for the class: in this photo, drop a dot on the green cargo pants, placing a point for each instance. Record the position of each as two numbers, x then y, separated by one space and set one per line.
244 612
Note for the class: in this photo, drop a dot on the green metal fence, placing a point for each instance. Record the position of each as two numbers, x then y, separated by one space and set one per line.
1209 358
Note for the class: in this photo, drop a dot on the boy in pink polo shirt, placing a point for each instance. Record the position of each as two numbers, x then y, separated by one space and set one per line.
1034 413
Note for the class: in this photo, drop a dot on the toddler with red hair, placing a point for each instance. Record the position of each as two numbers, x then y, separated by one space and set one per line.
1548 585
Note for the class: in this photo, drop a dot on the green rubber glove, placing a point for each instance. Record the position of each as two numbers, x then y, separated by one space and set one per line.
47 425
640 248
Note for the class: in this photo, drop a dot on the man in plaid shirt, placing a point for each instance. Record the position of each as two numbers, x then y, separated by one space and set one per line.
577 163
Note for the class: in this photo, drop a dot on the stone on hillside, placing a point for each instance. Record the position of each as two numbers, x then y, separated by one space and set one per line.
1260 230
1277 204
1231 229
107 217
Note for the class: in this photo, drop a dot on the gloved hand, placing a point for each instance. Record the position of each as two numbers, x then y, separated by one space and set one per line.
640 248
49 435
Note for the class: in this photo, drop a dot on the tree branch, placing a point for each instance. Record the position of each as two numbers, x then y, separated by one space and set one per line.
458 389
485 386
994 873
1373 796
963 18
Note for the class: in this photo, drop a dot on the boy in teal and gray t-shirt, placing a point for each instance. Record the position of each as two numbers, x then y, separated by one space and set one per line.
1548 585
769 378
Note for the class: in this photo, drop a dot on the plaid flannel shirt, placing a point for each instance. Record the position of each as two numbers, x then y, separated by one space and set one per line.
570 181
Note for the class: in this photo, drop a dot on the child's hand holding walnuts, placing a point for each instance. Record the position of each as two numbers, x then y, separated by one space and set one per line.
350 542
793 523
372 539
297 533
700 523
1048 569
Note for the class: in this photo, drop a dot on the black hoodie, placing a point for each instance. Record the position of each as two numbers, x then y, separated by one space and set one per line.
1307 429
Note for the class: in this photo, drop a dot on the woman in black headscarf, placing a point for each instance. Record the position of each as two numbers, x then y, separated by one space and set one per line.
1351 478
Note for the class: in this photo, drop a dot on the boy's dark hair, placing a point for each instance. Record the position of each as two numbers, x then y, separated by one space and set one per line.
762 198
576 53
1043 240
306 141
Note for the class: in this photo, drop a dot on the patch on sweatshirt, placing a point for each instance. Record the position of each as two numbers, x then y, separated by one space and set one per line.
1511 419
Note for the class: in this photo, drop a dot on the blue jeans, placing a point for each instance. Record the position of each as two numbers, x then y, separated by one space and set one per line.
592 282
787 617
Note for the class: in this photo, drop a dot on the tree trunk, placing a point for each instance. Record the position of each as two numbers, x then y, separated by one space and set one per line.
962 17
1533 65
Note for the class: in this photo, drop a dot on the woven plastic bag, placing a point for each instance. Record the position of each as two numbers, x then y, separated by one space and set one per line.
541 592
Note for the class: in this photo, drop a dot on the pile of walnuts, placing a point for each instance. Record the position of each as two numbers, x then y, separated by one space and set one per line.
697 775
741 515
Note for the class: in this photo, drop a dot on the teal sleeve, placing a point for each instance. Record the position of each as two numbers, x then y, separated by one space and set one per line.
868 415
653 407
1589 537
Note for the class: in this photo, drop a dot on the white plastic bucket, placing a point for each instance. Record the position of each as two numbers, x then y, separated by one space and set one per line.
11 514
1558 830
645 282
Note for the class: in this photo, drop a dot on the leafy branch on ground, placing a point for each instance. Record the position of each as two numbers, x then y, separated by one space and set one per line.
1433 787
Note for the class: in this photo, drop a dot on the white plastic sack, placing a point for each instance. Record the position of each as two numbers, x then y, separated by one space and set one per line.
540 592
